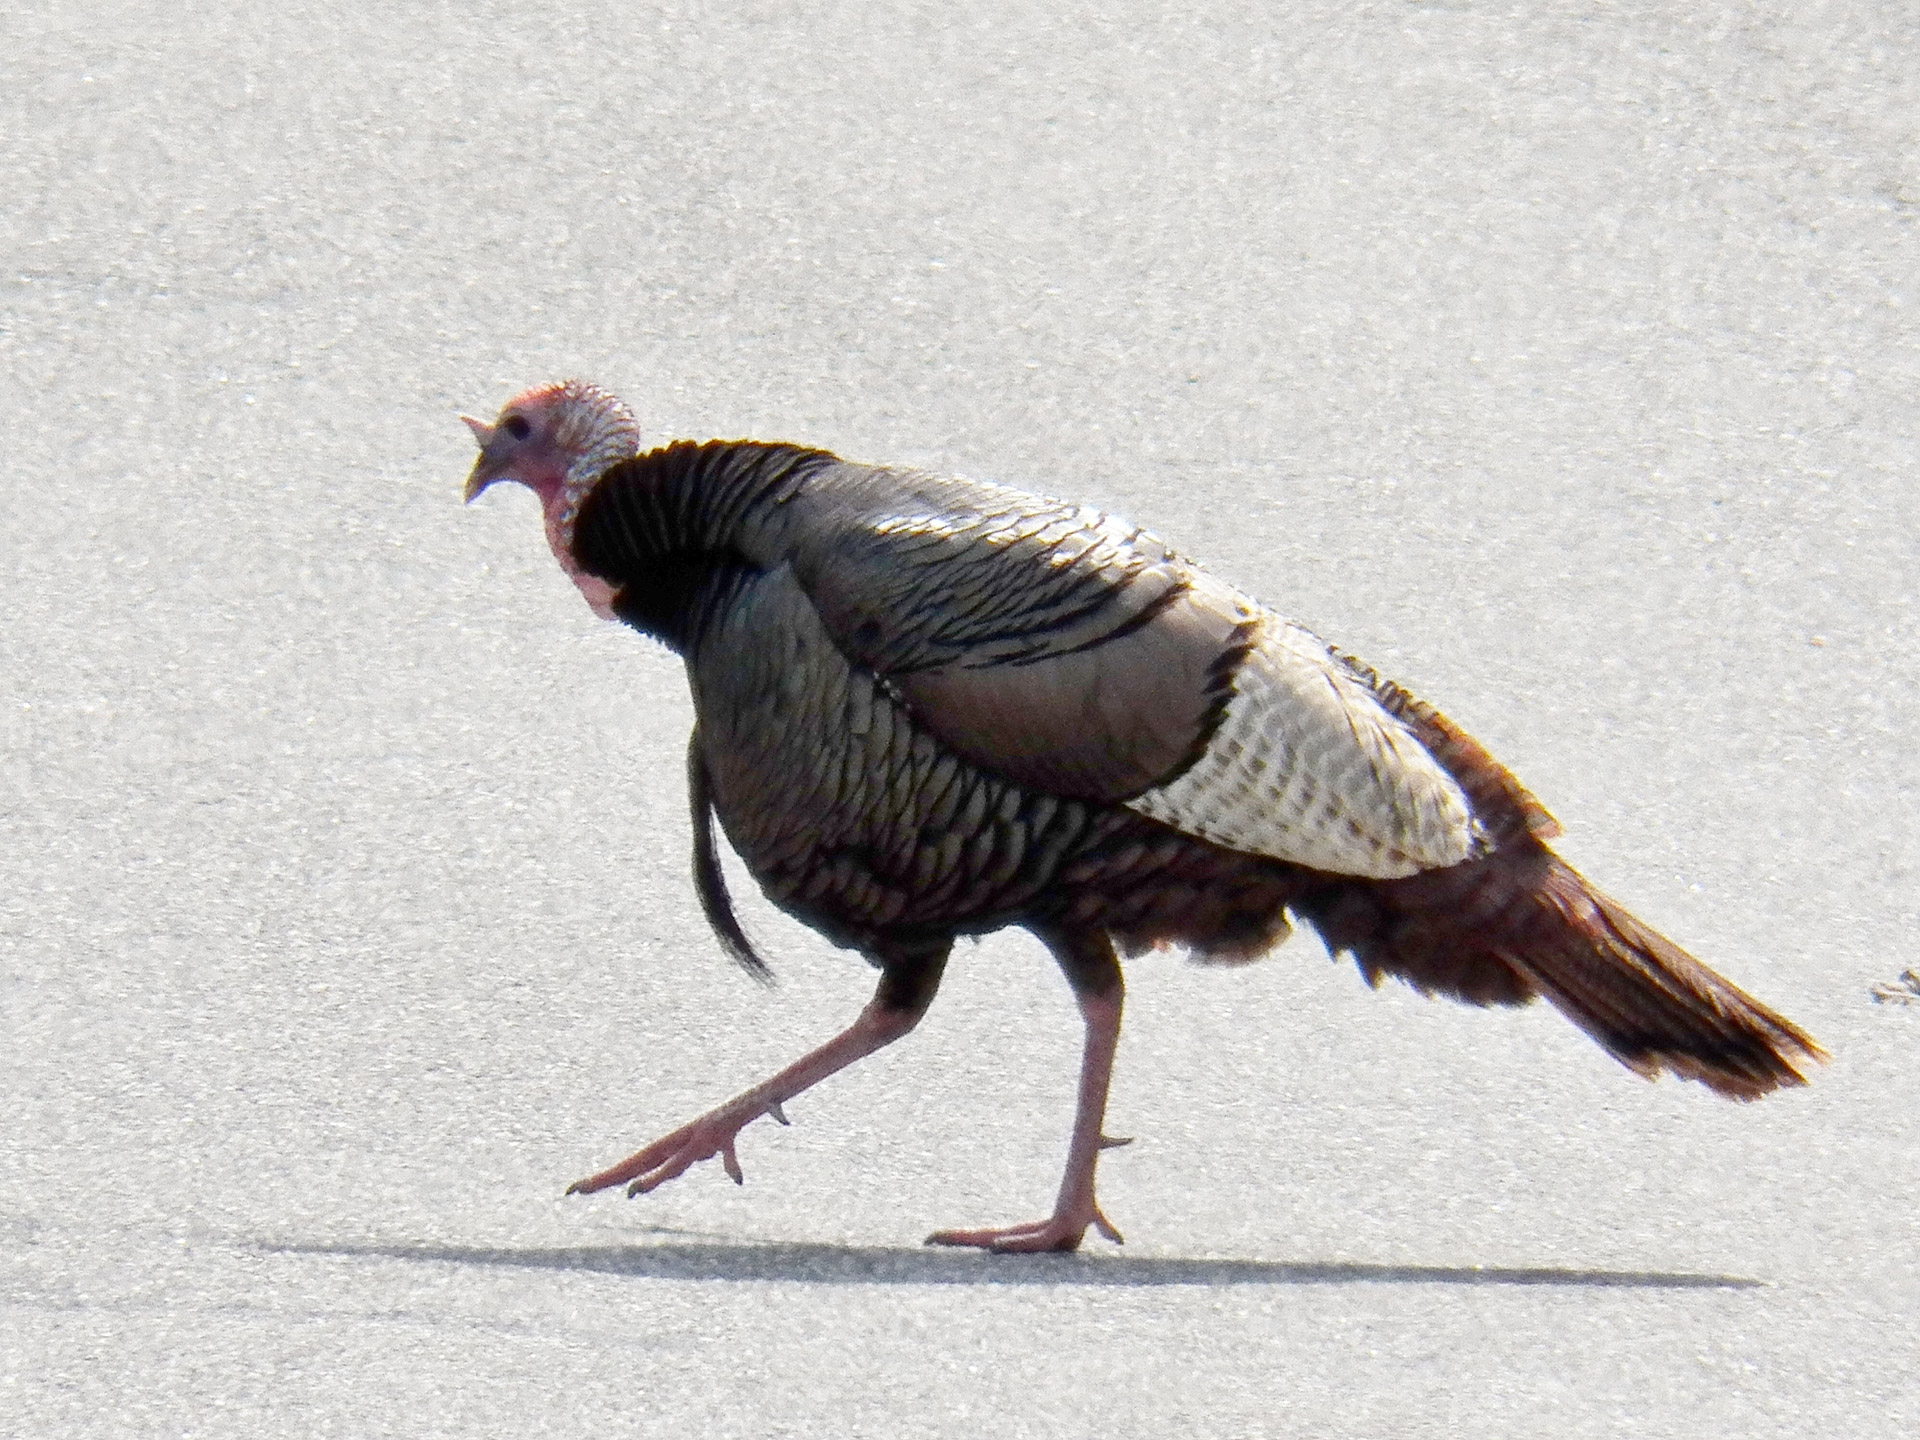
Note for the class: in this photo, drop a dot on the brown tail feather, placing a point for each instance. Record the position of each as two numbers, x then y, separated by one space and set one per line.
1652 1005
1521 924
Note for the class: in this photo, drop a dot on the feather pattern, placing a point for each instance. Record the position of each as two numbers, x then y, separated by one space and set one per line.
931 707
1307 765
939 705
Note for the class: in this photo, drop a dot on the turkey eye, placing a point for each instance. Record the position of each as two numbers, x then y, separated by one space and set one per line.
517 426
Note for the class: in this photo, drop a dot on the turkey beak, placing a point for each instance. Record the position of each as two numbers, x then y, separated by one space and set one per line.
486 469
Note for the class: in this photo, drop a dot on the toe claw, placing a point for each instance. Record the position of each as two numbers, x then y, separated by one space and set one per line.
778 1114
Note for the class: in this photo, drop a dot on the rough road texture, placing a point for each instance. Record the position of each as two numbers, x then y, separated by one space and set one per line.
1560 364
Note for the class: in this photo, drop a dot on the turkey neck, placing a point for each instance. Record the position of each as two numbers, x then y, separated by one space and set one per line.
660 526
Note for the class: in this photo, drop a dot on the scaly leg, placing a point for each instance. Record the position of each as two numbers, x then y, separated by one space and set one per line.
1094 973
907 986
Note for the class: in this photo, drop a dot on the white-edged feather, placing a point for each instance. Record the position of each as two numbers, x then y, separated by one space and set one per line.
1307 767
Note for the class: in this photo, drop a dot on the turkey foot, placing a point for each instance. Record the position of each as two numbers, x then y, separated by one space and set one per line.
1096 978
1059 1232
673 1154
893 1011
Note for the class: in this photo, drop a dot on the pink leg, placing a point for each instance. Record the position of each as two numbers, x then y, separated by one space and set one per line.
902 999
1075 1208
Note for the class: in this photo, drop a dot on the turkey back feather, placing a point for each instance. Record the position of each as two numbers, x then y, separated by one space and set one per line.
1052 646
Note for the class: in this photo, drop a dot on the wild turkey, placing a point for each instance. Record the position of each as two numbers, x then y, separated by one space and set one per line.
929 707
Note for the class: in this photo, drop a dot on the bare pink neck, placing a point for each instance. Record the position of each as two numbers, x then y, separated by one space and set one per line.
560 500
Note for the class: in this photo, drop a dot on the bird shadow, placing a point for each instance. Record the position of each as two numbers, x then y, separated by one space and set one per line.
820 1264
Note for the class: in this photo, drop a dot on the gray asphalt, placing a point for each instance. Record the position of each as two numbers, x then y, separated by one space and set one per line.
1558 359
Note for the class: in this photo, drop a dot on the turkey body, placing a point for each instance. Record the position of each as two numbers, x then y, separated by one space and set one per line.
868 791
930 707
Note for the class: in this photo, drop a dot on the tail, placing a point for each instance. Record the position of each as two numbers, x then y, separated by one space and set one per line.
1520 924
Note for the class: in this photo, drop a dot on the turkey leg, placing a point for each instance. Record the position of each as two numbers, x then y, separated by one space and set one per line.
907 987
1094 973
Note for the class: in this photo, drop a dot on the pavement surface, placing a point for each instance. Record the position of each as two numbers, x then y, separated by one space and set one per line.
1559 359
